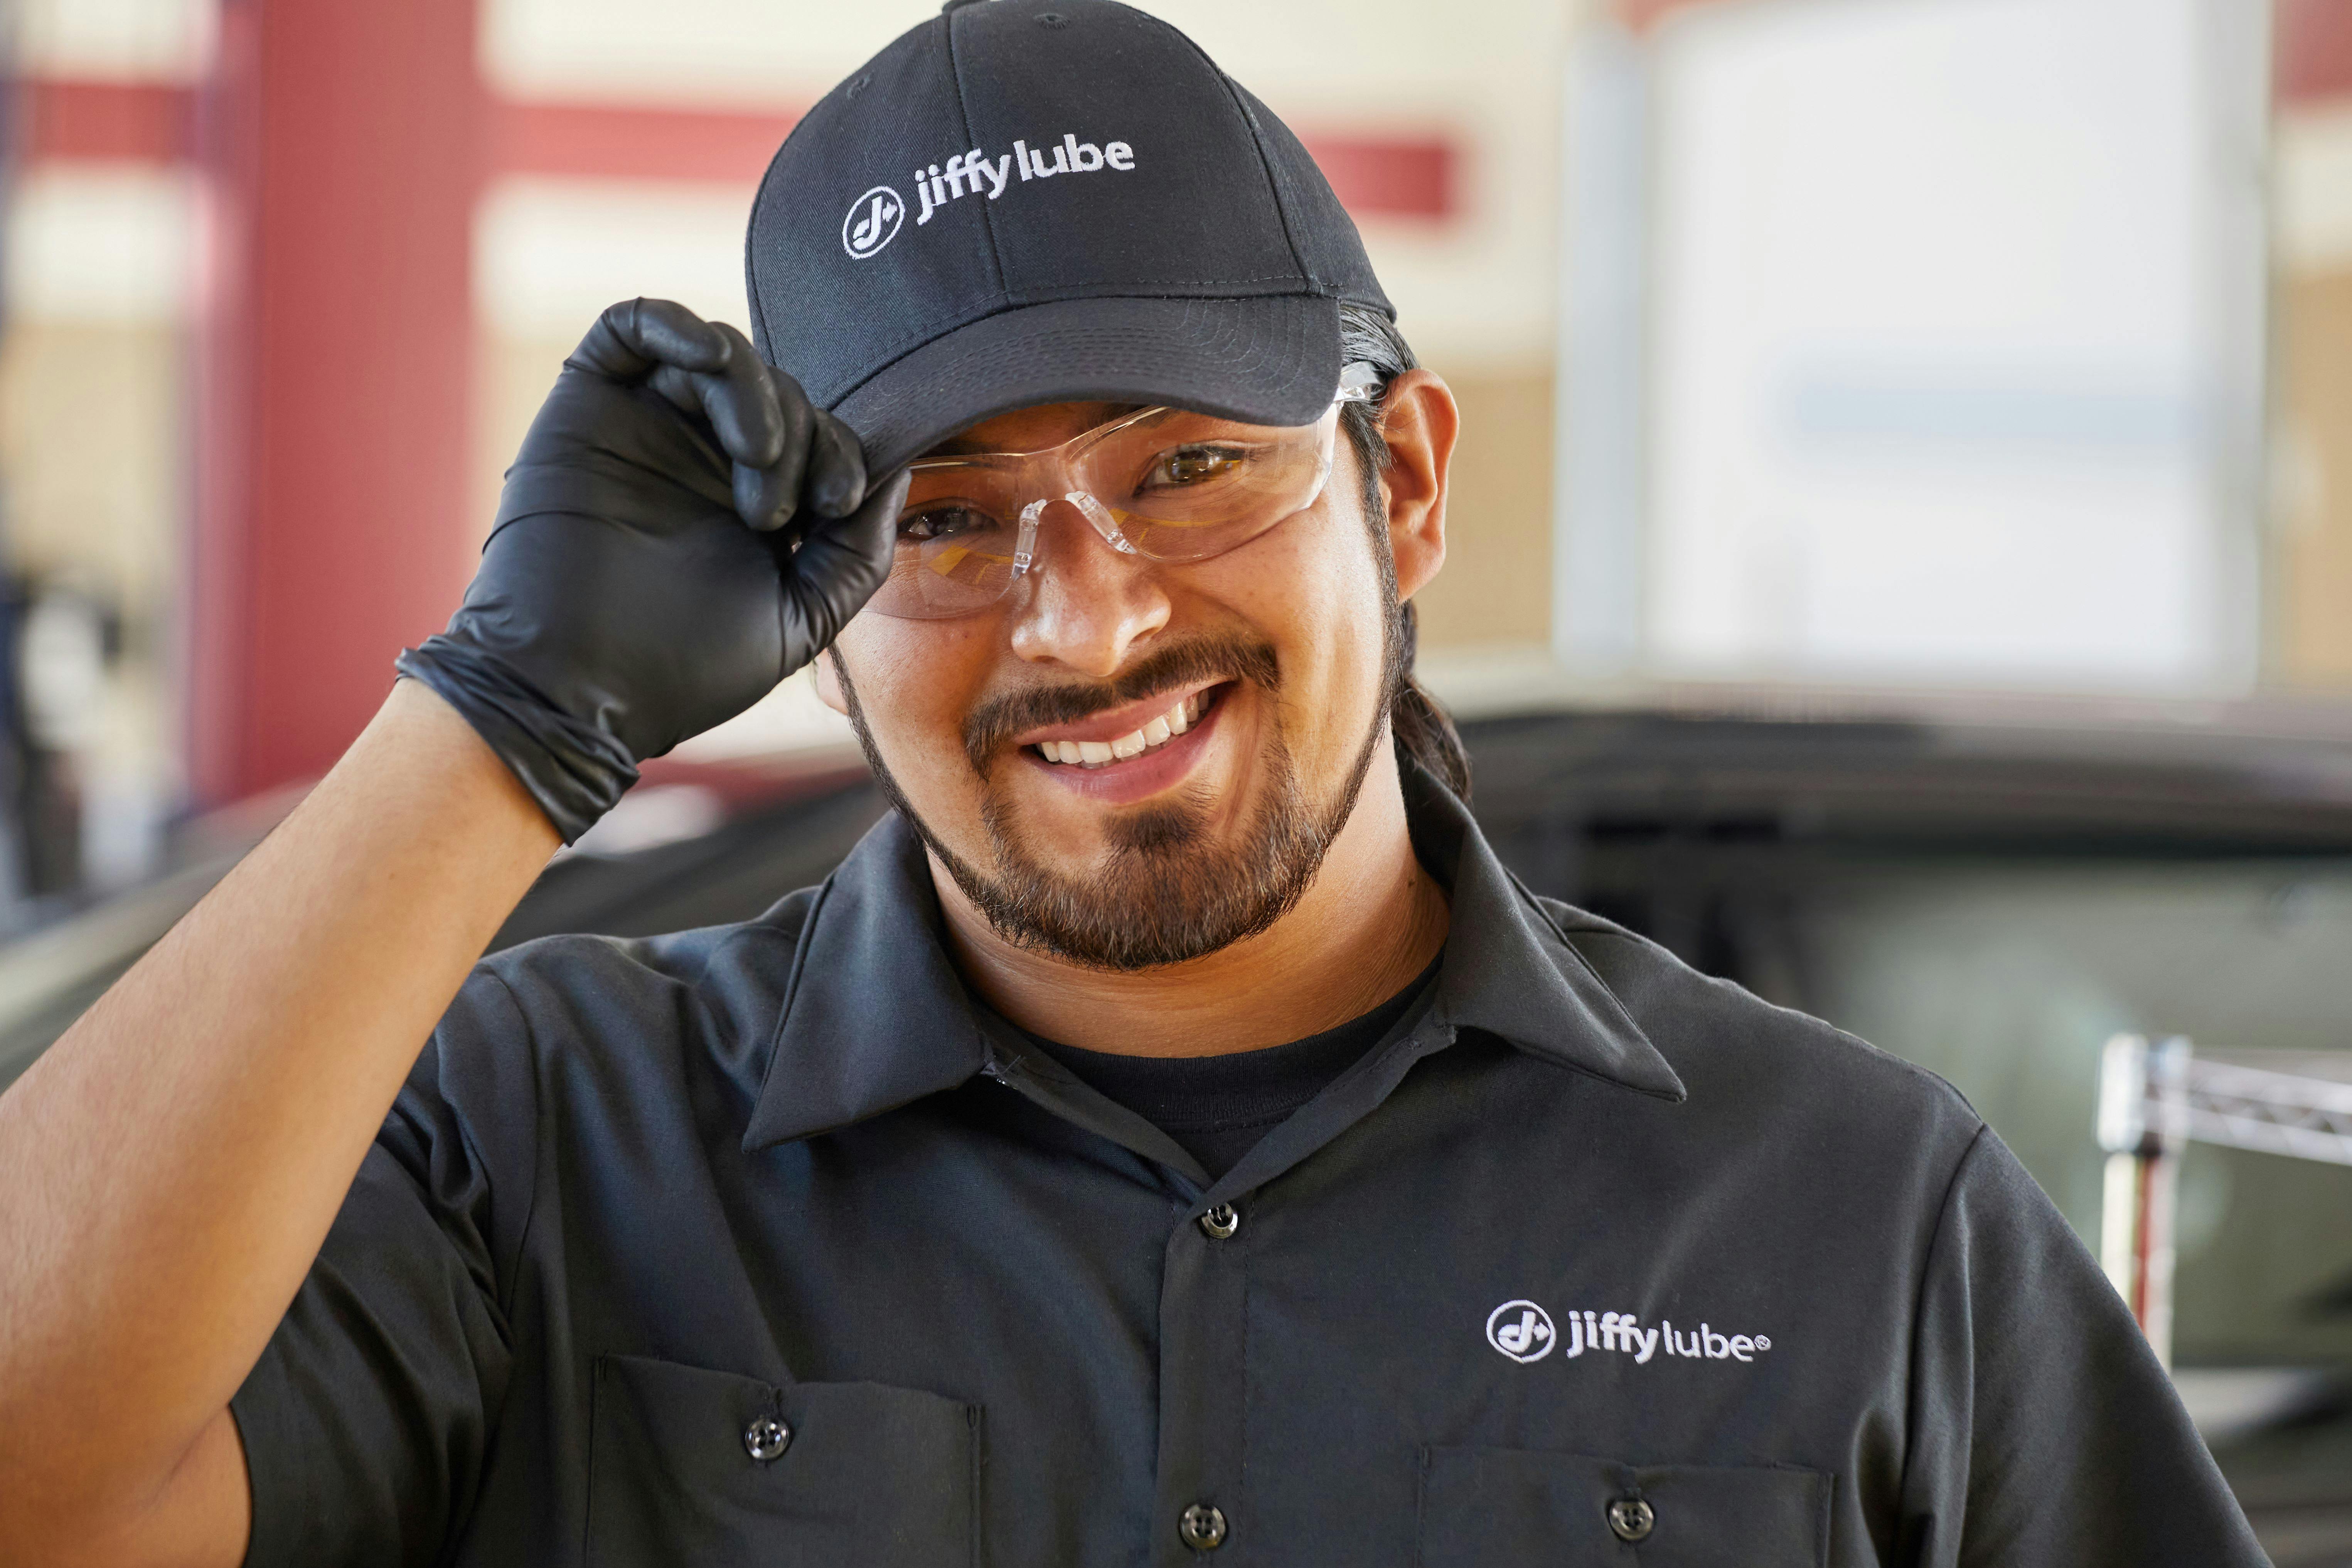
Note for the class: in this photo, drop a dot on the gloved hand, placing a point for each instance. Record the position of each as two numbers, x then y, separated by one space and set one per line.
681 530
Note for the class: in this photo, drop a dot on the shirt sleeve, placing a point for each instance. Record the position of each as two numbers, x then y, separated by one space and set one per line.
2043 1432
366 1421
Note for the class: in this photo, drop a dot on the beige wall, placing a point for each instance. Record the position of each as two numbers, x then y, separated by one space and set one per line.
91 443
2311 592
93 450
2310 582
1497 584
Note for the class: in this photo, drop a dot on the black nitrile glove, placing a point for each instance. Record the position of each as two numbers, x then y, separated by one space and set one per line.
642 584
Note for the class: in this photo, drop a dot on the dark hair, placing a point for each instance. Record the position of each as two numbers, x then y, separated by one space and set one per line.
1424 731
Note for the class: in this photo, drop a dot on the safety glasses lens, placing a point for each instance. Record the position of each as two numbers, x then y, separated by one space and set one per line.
1168 485
953 558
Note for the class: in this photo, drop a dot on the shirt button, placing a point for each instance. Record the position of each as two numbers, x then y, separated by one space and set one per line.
1630 1518
1220 1223
765 1438
1202 1527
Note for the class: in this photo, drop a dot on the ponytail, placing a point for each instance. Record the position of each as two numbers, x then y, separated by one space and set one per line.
1425 733
1424 730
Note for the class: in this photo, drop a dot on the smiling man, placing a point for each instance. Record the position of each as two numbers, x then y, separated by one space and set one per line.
1148 782
1171 1135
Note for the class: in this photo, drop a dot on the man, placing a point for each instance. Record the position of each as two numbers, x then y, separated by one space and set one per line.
1171 1134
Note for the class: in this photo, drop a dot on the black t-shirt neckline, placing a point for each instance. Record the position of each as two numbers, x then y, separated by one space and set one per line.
1217 1107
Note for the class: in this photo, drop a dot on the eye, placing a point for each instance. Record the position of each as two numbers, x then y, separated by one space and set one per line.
1194 465
946 520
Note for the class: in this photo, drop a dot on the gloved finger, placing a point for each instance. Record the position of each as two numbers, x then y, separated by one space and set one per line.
837 477
793 464
680 387
745 412
633 337
837 568
760 499
732 395
768 497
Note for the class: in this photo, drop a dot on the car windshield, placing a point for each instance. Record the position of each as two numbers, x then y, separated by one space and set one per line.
2006 979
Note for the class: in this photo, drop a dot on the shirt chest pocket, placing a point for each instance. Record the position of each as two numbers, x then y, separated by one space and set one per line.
690 1467
1516 1507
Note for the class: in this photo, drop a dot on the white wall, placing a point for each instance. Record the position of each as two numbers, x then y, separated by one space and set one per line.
1954 346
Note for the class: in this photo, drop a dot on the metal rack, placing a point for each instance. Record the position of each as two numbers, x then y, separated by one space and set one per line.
2156 1098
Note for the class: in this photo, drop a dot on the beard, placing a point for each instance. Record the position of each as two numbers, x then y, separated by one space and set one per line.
1164 892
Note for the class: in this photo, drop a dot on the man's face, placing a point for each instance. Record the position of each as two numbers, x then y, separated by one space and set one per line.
1266 669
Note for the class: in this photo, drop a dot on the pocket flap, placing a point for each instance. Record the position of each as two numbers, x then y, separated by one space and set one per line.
692 1466
1506 1508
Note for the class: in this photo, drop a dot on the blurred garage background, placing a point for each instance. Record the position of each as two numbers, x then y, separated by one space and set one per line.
1902 537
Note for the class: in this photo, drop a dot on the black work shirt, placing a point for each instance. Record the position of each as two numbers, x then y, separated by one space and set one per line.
754 1246
1217 1107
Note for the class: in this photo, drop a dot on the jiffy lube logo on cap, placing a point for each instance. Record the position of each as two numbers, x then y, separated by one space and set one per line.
873 222
875 218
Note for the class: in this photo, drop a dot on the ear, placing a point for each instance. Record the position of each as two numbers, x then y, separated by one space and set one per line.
1419 421
828 684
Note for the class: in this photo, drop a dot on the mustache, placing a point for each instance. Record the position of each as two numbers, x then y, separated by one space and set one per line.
995 721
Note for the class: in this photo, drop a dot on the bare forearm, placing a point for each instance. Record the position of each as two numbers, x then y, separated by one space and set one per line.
169 1169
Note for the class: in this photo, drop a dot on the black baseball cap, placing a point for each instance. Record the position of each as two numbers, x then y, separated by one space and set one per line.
1047 201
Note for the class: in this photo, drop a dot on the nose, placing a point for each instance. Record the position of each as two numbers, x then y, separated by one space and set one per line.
1088 604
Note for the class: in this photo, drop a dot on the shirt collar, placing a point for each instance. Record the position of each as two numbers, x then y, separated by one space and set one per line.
875 1017
1509 969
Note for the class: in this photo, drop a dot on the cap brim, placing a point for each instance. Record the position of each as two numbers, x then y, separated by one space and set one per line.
1267 361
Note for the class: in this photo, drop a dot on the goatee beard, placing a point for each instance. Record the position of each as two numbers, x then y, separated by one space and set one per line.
1165 893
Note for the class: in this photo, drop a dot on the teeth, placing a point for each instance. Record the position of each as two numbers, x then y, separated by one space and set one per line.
1134 743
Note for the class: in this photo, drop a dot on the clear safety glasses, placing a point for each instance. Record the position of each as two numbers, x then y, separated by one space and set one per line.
1165 484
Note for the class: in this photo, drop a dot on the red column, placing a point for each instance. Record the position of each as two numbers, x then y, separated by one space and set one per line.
340 145
2311 50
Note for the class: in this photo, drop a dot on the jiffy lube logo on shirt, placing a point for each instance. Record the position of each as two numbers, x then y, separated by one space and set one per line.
1521 1330
1524 1331
875 217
